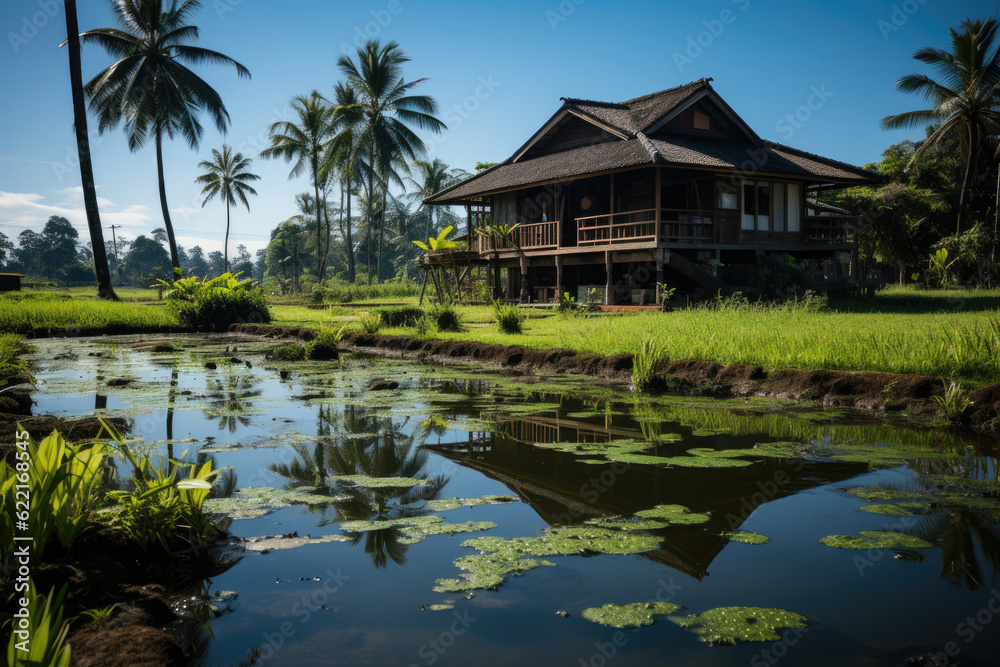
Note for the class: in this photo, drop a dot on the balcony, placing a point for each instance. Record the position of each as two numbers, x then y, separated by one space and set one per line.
533 236
629 227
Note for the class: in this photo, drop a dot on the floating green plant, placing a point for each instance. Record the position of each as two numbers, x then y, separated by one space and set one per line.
675 514
436 528
413 524
875 539
274 542
732 625
437 607
366 482
250 503
633 615
626 524
747 537
454 503
889 510
882 493
485 571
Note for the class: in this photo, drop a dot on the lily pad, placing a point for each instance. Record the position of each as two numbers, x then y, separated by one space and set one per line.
889 510
253 502
454 503
675 514
634 615
747 537
875 539
732 625
367 482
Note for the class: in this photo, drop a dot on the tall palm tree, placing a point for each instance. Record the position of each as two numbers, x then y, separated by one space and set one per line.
966 98
150 88
227 176
388 109
433 176
104 288
305 144
344 159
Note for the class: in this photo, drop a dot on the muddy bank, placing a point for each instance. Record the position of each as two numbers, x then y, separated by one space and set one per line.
874 391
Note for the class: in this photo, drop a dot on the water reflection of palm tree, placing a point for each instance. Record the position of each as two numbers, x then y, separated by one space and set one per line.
372 452
229 399
958 531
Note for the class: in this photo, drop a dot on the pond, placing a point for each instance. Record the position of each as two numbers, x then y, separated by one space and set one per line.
570 496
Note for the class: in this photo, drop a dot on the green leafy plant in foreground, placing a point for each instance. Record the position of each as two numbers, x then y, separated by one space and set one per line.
324 346
62 484
371 323
644 363
954 402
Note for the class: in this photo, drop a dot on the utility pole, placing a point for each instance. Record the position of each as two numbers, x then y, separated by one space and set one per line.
114 240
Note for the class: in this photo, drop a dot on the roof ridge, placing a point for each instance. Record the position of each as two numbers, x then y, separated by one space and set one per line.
578 100
634 100
654 152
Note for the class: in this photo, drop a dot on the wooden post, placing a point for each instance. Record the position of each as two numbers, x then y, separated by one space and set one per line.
525 287
468 221
609 287
423 287
560 285
659 273
658 171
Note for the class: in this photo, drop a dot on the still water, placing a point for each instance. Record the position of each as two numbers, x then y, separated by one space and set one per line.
369 598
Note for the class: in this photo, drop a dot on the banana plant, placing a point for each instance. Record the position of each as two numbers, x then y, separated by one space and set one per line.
436 244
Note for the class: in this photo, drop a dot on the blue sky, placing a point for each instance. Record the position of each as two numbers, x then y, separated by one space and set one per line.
816 76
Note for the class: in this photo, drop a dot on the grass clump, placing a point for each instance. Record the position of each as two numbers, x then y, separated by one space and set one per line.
732 625
954 403
289 352
371 323
47 631
633 615
645 360
212 304
509 317
875 539
441 317
399 316
324 346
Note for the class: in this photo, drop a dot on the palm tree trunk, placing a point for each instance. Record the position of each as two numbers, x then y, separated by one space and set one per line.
319 224
368 232
104 287
351 275
225 250
381 229
973 148
174 260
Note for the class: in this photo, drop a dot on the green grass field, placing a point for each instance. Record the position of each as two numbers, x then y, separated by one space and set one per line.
26 312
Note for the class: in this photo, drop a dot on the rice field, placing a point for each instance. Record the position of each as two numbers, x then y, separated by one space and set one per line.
27 312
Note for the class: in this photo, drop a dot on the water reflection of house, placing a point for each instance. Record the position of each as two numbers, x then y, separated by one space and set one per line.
672 186
564 490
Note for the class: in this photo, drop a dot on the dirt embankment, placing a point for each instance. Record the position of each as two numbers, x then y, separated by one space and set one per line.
874 391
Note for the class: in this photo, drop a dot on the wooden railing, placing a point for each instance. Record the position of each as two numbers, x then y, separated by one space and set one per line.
678 225
628 227
532 236
829 229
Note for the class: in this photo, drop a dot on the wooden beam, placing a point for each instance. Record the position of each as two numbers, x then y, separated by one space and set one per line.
423 287
658 185
560 284
609 287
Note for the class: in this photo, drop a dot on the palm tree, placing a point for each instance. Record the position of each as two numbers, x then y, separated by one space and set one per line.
388 109
150 89
306 145
433 176
227 175
104 288
343 158
966 99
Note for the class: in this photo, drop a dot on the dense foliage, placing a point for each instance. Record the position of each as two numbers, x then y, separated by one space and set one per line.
212 304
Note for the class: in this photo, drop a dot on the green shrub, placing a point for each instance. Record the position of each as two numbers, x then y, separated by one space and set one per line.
644 363
162 508
954 402
370 322
509 317
400 316
444 317
213 304
566 303
289 352
324 346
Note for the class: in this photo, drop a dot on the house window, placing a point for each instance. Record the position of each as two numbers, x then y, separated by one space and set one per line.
702 120
771 207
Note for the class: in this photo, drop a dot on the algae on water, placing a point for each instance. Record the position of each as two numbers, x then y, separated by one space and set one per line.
446 504
746 537
732 625
675 514
875 539
633 615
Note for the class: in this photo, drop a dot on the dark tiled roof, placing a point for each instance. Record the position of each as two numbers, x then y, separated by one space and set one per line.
635 116
576 162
